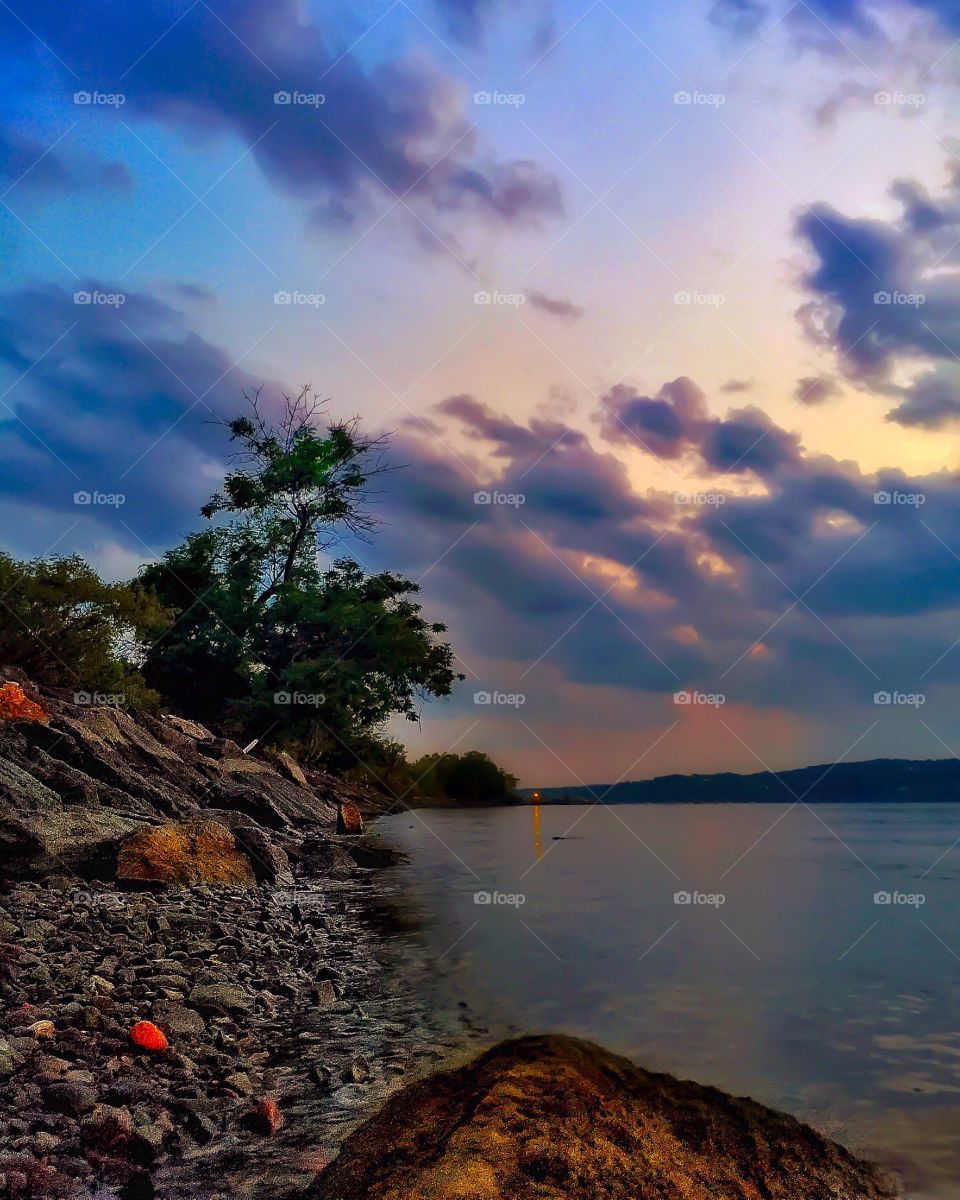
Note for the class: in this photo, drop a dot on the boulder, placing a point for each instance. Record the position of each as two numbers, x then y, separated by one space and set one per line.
39 833
268 858
550 1118
188 852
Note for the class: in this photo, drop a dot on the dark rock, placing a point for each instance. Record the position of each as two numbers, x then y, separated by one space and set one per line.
178 1020
549 1118
107 1127
221 997
64 1096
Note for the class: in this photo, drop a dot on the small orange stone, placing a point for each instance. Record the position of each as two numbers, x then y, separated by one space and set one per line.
147 1035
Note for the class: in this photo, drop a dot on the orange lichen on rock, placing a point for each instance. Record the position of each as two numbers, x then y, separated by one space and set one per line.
349 819
190 852
148 1036
42 1029
552 1118
16 705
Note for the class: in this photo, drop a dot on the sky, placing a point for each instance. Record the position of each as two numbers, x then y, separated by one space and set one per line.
659 304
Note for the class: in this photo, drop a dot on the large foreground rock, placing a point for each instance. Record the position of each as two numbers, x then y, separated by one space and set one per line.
552 1118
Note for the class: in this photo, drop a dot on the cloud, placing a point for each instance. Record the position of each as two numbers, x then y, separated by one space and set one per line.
828 24
675 423
114 396
556 308
885 298
737 385
666 424
322 127
27 163
468 20
535 543
816 389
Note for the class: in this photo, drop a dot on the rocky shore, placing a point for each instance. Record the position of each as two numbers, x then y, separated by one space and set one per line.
287 1018
206 990
152 872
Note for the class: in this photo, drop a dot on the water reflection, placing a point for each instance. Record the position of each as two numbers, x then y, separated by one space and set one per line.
796 987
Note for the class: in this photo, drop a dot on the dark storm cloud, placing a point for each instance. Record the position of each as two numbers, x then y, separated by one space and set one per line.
886 299
27 163
341 130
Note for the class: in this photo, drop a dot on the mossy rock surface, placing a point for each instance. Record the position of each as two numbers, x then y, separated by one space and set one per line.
556 1118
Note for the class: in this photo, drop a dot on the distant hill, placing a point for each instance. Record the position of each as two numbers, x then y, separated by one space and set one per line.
878 780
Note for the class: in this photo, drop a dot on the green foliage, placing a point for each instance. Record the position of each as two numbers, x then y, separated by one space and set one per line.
265 641
470 778
64 627
297 484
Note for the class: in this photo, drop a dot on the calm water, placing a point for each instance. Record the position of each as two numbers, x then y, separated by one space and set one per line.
798 989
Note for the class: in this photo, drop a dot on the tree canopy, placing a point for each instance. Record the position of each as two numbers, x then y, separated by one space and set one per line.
266 639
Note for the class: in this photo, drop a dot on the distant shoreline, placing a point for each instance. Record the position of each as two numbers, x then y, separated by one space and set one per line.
879 780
